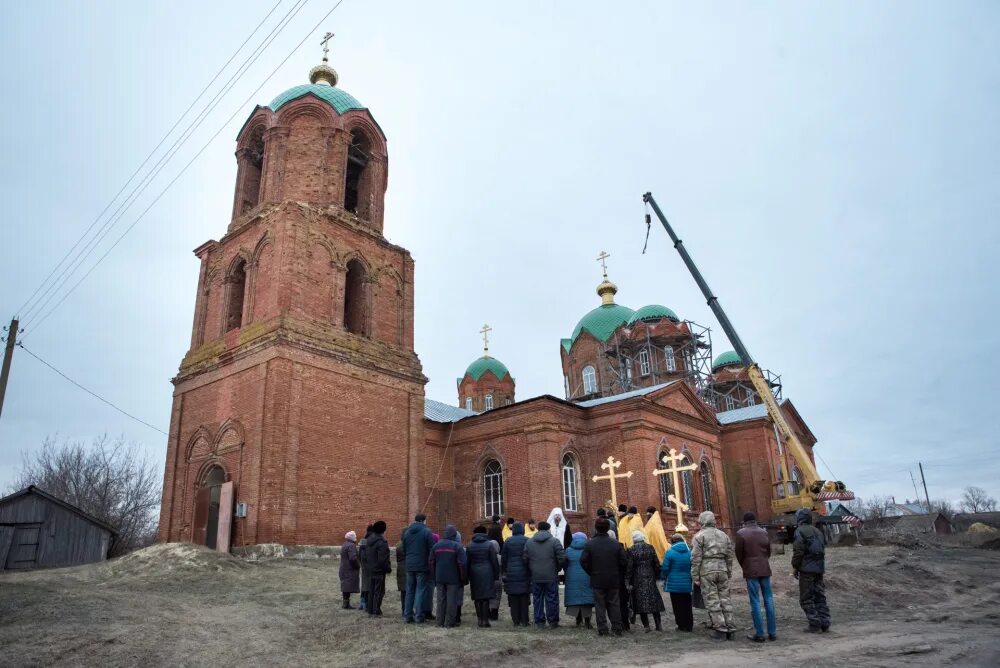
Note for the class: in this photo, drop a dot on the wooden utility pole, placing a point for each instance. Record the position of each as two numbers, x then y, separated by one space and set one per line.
922 479
8 354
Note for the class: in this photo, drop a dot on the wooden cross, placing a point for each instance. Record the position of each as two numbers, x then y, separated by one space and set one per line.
326 44
602 258
610 467
485 331
672 460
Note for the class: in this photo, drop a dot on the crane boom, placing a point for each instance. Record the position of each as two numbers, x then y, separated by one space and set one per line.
814 490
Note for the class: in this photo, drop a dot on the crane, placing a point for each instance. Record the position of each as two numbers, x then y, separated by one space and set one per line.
813 490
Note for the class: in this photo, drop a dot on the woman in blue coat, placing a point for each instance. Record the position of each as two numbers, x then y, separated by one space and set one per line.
579 596
676 574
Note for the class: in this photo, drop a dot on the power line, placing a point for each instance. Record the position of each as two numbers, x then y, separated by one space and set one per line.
190 162
22 309
91 392
147 180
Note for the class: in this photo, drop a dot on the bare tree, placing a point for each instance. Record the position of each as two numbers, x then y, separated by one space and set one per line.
943 506
108 479
876 508
976 500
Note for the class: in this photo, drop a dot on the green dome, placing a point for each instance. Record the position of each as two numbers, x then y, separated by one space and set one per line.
727 358
601 322
484 364
340 100
653 312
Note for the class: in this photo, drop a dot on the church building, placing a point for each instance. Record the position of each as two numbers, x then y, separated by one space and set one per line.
299 410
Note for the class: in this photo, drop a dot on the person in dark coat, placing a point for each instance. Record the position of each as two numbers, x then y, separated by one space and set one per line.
377 560
484 568
448 561
515 575
350 569
546 557
579 599
495 530
643 568
602 512
366 578
753 551
417 544
676 574
809 564
401 574
604 559
431 586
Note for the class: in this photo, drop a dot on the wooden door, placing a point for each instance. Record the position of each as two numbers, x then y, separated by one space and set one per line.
225 517
23 548
6 538
202 500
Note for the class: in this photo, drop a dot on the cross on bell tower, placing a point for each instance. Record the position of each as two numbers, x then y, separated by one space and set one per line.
485 331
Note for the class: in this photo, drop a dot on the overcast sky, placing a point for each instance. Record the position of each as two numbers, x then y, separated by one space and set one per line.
833 169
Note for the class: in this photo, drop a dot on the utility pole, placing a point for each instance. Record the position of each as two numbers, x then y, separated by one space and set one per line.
920 464
8 354
916 492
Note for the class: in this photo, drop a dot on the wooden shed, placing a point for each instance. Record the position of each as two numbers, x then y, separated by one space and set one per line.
38 530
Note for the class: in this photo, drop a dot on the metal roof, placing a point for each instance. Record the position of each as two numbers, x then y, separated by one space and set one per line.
340 100
653 312
601 322
742 414
484 364
435 411
624 395
727 358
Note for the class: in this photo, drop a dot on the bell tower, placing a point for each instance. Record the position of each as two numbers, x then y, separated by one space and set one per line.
301 387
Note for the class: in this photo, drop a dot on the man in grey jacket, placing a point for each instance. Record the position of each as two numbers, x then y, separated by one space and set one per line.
545 557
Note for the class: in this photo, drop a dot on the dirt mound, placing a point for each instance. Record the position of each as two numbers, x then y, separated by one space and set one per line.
993 544
172 557
908 540
979 527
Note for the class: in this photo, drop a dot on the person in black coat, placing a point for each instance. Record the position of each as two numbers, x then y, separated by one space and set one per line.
495 530
484 568
366 577
377 561
604 560
515 575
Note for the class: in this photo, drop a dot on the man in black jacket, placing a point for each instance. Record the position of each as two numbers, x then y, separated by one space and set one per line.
604 560
809 564
377 559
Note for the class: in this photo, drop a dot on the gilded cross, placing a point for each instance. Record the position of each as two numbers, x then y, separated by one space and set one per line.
672 460
610 467
326 44
485 331
602 258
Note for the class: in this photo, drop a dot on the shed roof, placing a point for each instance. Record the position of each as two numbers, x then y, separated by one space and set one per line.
922 522
435 411
31 489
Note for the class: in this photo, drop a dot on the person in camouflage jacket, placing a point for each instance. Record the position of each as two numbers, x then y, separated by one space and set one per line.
712 557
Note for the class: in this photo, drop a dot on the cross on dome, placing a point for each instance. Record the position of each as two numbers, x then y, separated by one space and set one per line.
602 258
485 331
323 74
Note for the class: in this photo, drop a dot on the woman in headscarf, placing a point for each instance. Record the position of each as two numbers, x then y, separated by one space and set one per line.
559 527
350 569
579 596
643 567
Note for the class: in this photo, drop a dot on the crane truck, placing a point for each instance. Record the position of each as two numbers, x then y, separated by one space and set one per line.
813 490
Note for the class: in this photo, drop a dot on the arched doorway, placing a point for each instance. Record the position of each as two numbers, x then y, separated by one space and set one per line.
208 499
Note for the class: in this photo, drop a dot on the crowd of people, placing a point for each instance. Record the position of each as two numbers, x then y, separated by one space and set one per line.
610 579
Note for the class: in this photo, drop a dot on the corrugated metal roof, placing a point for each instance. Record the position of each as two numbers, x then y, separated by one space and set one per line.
742 414
624 395
435 411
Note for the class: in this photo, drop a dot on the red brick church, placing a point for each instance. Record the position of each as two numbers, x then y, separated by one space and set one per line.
299 410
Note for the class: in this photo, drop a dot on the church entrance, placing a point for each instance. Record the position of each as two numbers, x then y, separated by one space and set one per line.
213 510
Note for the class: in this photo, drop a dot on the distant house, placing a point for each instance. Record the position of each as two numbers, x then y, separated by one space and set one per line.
924 523
963 521
904 509
39 530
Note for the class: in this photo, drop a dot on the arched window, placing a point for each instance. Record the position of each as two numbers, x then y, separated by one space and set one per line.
686 483
668 353
571 476
492 489
468 403
357 159
489 402
796 479
356 298
666 483
236 281
730 402
251 167
589 380
627 369
706 485
644 362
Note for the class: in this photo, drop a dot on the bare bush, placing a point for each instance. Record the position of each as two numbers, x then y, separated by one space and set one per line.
108 479
976 500
876 508
943 506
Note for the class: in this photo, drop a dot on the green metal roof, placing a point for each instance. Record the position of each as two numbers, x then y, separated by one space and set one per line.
653 312
340 100
484 364
601 322
726 359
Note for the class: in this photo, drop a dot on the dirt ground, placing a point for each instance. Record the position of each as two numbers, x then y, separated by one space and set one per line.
178 605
